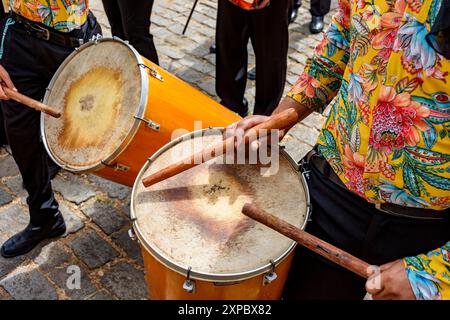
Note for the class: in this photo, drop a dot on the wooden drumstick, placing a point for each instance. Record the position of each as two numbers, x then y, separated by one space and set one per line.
280 121
34 104
309 241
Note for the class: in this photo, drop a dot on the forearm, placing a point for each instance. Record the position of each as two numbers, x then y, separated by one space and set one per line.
288 103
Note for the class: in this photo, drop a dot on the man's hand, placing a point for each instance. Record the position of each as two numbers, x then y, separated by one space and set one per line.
238 129
6 80
392 284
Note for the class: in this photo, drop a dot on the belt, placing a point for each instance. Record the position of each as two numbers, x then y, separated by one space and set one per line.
313 158
45 33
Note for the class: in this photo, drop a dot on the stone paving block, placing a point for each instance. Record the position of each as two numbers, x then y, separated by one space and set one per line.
125 281
107 217
62 278
73 188
73 222
209 86
171 52
190 75
295 148
100 295
92 249
29 285
304 134
5 198
4 295
52 256
132 248
314 120
12 220
114 190
8 167
15 184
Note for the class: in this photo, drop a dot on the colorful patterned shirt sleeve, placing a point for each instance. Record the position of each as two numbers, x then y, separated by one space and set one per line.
322 76
62 15
429 274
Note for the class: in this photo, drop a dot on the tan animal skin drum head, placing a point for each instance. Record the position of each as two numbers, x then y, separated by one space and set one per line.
194 219
98 91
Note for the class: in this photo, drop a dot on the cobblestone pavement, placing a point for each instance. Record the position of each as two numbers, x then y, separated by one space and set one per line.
96 210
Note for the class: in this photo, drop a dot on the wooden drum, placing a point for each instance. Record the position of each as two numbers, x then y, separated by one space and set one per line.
118 109
195 241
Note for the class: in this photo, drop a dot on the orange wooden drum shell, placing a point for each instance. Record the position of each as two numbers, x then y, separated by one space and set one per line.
173 104
166 284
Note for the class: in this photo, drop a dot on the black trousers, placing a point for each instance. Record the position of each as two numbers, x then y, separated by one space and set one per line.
130 20
320 7
351 223
268 30
31 64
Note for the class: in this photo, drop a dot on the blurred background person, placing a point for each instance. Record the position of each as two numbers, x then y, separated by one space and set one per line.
130 20
265 23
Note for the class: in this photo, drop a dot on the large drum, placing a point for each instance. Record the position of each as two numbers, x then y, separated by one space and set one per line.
118 109
195 241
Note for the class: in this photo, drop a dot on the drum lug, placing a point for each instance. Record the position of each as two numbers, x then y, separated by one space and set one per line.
271 276
189 284
153 72
117 166
149 123
132 235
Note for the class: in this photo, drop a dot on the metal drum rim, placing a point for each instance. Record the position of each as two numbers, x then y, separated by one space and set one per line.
133 130
194 274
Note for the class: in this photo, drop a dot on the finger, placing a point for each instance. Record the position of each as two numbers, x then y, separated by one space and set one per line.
230 130
7 80
254 146
3 96
374 284
249 122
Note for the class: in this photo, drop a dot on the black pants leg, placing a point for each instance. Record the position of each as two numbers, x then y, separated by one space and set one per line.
232 35
320 7
114 15
31 64
269 32
350 223
130 20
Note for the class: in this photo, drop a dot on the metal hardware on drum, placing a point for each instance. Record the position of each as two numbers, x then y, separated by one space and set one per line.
149 123
153 72
271 276
117 166
189 284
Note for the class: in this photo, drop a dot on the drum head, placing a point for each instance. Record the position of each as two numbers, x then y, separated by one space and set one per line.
98 89
194 219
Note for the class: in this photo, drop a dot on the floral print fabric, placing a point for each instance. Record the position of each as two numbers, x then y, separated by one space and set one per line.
62 15
251 4
388 132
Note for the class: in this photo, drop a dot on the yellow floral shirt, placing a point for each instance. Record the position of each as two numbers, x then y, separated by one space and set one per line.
62 15
388 132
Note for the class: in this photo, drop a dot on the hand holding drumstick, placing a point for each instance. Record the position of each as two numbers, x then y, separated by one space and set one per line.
9 91
283 120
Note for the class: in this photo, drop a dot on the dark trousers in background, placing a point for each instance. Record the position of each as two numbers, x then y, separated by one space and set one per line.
347 221
268 31
320 7
130 20
31 63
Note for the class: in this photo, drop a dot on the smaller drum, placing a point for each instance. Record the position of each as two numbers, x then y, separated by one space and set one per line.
118 108
195 241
